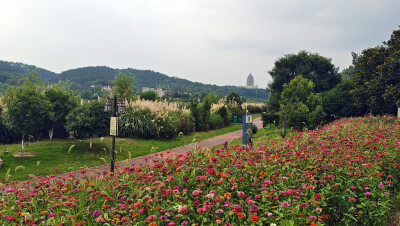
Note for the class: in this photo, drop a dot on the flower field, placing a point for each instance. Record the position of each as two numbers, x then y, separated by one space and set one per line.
345 173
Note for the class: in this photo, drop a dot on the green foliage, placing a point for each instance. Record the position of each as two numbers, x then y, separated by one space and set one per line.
223 112
254 128
186 123
168 125
377 84
27 108
348 73
61 103
148 95
212 97
235 110
138 124
215 121
123 86
200 113
312 66
234 97
299 105
89 120
270 117
338 102
7 135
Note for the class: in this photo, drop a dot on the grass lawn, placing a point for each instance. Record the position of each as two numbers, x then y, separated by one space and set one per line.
57 156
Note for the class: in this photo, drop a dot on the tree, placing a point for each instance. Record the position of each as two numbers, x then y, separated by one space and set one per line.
234 97
27 108
300 106
377 83
149 95
338 102
348 73
312 66
61 103
123 86
88 120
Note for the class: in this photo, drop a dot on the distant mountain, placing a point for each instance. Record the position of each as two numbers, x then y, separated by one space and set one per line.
84 78
11 72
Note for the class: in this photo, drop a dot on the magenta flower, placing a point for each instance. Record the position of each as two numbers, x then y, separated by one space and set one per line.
96 213
284 204
381 185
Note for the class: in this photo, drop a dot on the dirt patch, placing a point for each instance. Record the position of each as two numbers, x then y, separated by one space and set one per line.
21 155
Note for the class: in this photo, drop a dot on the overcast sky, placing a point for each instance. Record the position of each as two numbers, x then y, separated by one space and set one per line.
209 41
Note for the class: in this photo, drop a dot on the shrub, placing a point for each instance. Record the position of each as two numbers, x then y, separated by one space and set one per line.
137 124
186 123
235 110
254 129
215 121
167 125
223 112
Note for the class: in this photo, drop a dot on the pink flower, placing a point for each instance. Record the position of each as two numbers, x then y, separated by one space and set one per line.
367 193
381 185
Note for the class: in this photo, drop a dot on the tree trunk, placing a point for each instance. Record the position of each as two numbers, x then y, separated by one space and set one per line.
23 144
51 133
91 142
283 129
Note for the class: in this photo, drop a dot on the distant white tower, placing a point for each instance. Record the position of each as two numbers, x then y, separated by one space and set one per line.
250 80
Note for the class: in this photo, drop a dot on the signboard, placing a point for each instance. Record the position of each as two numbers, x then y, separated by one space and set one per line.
249 118
247 128
114 126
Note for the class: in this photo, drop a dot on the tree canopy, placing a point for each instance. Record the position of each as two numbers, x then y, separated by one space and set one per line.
312 66
27 108
300 106
88 120
377 83
123 86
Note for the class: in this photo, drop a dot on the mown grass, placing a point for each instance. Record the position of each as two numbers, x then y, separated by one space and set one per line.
57 156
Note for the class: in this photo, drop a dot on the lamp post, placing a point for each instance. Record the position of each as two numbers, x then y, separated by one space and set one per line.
116 108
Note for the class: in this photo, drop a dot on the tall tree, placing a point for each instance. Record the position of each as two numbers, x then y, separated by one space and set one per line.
123 86
27 108
61 103
312 66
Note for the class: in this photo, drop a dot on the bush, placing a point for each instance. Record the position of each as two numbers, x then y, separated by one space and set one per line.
215 121
235 110
254 129
270 118
167 126
186 123
223 112
7 135
138 124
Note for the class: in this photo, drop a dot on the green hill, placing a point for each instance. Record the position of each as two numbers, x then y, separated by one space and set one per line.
84 78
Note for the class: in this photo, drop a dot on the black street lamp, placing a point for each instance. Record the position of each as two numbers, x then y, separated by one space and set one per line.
116 108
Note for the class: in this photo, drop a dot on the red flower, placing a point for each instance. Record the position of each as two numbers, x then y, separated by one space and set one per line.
317 196
325 216
254 218
211 171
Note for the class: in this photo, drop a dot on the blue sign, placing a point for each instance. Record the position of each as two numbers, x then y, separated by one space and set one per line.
247 125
